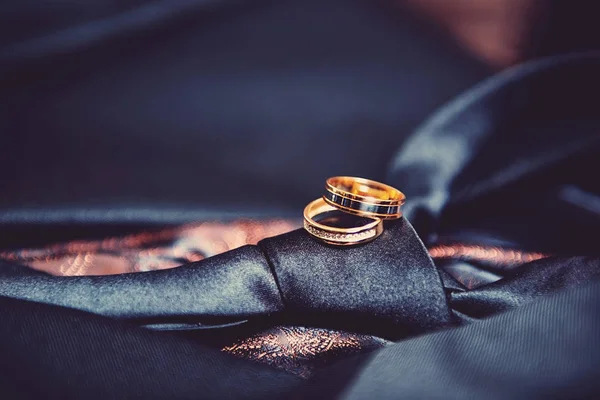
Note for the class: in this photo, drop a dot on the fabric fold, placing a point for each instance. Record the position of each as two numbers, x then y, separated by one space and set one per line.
235 285
480 143
524 285
389 287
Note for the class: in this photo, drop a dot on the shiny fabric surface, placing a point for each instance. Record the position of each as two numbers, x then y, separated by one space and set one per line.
457 363
389 287
502 166
505 145
295 349
543 350
313 283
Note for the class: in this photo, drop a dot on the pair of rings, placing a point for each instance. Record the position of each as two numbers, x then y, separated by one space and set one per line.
357 196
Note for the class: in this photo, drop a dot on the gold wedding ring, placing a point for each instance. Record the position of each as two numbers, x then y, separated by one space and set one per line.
357 196
338 236
364 197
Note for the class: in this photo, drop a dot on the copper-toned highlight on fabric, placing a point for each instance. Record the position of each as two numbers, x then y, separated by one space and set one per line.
147 251
500 257
173 247
299 350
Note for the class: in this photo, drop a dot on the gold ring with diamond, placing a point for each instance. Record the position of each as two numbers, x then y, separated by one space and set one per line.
338 236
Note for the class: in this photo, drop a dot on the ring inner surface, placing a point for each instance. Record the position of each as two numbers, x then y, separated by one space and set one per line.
339 219
326 215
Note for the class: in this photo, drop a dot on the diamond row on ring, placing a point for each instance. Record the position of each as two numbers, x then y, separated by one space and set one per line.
339 236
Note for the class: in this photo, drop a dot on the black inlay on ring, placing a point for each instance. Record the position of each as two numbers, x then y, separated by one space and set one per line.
358 206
